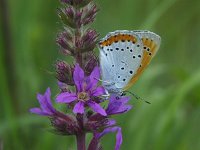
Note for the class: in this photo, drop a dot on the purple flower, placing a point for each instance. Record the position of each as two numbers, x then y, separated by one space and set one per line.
91 61
118 136
64 72
94 144
118 105
64 124
86 89
46 108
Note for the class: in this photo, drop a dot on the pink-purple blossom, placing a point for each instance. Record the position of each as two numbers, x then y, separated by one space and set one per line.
46 108
94 144
86 95
118 135
117 105
86 90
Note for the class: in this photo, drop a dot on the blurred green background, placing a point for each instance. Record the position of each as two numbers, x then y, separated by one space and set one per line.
171 82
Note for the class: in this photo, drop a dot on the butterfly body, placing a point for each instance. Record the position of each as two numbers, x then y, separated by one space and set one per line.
123 57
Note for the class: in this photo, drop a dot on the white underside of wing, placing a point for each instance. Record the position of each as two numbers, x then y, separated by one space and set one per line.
150 35
119 62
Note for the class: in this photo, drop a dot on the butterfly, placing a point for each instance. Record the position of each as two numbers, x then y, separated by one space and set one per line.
124 55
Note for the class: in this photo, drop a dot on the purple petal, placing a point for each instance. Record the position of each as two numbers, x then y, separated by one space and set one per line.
40 112
66 97
123 99
79 108
123 109
78 77
45 101
118 139
35 110
117 106
112 98
42 101
98 91
94 78
62 85
97 108
111 122
47 95
46 107
118 136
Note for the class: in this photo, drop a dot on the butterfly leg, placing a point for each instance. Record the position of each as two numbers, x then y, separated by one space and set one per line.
107 82
106 95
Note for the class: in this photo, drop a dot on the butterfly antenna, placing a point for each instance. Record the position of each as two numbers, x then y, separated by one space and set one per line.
137 97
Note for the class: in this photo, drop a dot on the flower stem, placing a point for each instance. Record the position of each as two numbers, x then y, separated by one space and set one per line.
79 59
80 139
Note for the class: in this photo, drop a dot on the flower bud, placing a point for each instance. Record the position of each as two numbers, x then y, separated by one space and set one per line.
65 124
64 72
64 40
89 14
91 61
77 3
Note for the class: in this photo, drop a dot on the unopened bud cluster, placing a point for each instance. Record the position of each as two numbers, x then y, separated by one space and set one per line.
76 38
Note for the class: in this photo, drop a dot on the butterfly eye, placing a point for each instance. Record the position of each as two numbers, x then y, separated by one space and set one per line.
122 94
